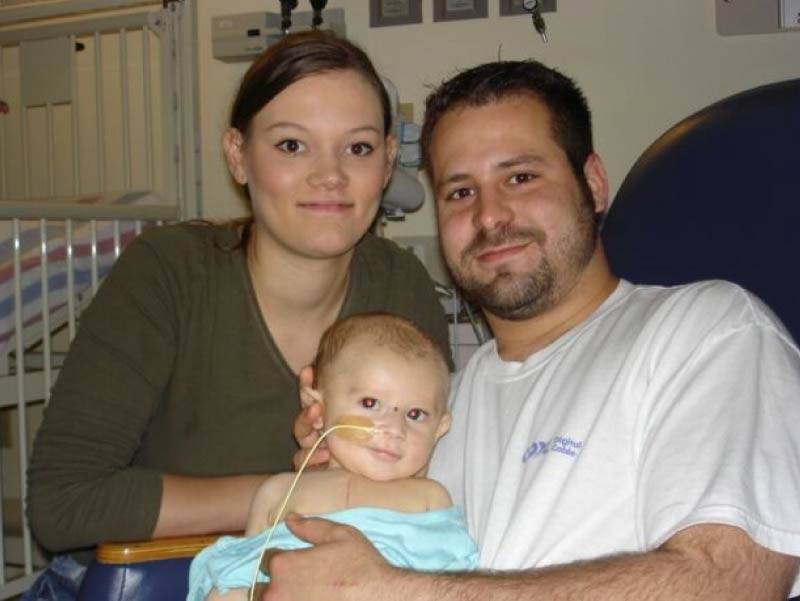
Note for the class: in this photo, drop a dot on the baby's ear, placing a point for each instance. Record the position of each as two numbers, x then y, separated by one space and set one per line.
444 425
309 397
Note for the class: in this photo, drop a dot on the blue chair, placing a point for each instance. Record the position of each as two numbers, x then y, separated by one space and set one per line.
142 571
717 196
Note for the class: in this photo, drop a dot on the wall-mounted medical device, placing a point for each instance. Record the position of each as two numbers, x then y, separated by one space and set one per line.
739 17
242 36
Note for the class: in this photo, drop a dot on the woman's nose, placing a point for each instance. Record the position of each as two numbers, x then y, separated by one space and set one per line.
327 171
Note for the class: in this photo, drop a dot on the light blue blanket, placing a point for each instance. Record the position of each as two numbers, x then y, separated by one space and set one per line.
431 541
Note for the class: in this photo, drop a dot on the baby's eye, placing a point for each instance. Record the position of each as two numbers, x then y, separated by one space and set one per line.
417 415
370 403
290 146
360 149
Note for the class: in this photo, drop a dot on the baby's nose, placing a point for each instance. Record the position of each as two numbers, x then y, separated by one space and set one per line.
393 425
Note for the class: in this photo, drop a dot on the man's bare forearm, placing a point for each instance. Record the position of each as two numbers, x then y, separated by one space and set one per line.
705 562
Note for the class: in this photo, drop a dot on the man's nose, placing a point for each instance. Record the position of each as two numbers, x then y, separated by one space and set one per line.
491 210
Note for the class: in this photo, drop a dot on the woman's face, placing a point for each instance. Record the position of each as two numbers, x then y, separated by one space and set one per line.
315 161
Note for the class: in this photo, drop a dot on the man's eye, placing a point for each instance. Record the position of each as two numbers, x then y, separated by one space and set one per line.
370 403
458 194
521 178
360 149
290 146
417 415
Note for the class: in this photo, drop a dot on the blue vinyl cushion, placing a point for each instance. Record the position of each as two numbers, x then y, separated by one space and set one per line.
160 580
718 196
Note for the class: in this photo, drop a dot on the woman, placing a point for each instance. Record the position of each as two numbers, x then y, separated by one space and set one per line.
180 389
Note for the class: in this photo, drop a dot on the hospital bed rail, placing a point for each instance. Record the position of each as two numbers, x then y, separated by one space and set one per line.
88 239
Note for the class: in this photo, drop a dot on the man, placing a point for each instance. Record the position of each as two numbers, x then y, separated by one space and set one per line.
614 441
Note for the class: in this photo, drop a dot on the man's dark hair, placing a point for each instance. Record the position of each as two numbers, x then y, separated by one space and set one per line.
570 119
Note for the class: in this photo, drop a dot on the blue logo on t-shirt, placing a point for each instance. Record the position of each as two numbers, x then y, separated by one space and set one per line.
560 444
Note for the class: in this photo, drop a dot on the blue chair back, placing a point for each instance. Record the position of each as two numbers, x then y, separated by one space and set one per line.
717 196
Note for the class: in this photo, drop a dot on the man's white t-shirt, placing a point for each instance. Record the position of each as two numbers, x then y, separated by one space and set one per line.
668 407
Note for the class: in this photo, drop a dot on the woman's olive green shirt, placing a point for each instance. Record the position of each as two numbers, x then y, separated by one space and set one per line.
174 371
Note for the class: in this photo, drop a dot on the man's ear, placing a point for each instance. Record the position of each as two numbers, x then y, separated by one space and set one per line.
310 396
595 174
444 425
233 144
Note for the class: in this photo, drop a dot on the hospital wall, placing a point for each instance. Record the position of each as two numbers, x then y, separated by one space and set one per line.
643 65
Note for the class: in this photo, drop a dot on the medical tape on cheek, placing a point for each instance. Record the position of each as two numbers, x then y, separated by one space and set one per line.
356 428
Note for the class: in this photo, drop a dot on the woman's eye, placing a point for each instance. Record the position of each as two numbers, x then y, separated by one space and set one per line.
370 403
417 415
360 149
290 146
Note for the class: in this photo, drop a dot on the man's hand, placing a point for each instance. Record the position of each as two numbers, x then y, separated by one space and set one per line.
304 431
343 564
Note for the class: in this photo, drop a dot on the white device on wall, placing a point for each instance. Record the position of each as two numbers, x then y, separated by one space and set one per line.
240 37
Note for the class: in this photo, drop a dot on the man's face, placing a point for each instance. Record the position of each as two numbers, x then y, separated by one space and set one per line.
516 226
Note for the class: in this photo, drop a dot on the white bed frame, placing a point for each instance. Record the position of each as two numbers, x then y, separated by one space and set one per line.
122 125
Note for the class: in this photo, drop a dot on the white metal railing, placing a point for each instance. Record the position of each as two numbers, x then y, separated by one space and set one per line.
59 253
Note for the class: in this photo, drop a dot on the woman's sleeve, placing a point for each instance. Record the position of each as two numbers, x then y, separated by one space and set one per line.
82 488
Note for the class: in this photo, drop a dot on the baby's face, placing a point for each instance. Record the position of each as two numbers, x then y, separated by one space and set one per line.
404 397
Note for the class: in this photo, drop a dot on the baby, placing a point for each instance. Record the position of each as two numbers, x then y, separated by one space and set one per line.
380 373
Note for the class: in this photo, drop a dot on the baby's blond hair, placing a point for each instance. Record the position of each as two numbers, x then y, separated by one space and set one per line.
396 333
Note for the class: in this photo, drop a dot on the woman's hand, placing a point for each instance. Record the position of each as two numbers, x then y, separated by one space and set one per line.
304 431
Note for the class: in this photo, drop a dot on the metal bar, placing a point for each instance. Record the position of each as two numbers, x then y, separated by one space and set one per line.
75 107
455 335
98 82
19 585
94 258
24 136
3 139
51 151
126 116
37 210
49 10
70 280
170 121
22 430
34 380
45 308
117 245
148 109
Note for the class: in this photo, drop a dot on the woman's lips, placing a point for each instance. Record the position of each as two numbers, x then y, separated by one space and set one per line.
326 206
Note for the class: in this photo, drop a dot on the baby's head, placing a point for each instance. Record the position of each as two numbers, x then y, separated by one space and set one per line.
381 370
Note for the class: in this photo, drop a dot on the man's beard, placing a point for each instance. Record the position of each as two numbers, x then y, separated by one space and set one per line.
518 296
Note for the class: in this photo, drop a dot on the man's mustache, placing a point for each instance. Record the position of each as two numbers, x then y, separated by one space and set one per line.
485 239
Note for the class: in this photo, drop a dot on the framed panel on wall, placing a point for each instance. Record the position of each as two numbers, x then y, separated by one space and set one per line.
454 10
383 13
